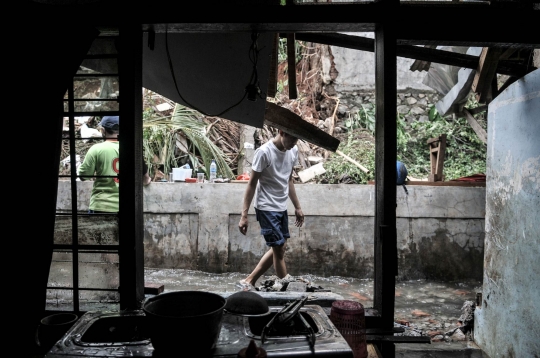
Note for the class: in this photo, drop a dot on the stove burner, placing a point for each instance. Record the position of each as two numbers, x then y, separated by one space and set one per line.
302 331
284 322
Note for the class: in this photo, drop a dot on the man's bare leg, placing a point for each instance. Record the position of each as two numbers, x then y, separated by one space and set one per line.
275 256
279 260
264 264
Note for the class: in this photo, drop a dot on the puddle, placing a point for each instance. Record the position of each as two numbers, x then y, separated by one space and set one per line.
422 304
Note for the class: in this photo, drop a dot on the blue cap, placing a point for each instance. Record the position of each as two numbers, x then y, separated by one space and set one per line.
111 122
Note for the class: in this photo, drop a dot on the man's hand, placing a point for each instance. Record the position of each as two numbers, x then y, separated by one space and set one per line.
243 225
299 217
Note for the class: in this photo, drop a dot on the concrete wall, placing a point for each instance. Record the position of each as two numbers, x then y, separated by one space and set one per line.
506 322
356 70
194 226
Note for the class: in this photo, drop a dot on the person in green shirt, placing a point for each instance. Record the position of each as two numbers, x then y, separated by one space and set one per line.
102 162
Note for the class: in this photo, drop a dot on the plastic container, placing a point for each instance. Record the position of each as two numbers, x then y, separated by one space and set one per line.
180 174
349 319
213 171
184 321
52 328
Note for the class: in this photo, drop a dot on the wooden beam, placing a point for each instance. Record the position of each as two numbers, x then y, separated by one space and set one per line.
486 71
288 121
272 77
413 52
480 132
385 257
437 149
291 66
507 53
420 65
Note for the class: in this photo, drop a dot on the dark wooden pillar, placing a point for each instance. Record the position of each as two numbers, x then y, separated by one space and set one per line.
385 178
131 223
48 56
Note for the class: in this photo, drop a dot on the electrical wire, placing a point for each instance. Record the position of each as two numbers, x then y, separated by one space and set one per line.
253 84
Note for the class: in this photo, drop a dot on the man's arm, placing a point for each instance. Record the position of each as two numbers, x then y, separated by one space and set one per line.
248 197
87 168
297 209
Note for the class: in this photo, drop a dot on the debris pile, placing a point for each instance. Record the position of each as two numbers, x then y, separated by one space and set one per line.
462 330
289 283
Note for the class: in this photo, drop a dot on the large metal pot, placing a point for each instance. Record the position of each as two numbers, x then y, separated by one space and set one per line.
184 321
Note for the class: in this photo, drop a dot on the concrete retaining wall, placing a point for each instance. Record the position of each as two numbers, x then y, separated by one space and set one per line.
194 226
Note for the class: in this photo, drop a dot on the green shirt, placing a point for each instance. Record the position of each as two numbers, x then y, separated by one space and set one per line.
102 159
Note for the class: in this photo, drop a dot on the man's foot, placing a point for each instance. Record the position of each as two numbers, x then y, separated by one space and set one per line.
245 286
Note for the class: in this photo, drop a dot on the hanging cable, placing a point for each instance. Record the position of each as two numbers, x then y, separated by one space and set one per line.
252 90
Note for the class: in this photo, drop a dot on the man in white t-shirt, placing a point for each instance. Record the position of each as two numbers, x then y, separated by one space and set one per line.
271 183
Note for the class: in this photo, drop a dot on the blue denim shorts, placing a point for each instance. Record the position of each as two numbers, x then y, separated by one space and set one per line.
274 226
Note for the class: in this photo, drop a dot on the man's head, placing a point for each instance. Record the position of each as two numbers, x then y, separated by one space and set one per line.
288 141
111 124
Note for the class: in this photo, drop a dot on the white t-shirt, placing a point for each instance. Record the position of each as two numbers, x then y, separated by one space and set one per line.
275 167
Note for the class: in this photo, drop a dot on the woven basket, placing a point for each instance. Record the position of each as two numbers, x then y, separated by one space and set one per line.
349 319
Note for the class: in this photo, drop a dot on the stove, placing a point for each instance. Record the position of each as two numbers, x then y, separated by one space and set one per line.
309 333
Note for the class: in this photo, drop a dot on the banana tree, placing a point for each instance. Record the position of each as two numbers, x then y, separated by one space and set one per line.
181 138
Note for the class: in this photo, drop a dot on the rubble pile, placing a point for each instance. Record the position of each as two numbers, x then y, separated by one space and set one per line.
289 283
461 330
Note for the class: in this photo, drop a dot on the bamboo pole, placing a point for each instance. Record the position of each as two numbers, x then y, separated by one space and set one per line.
352 161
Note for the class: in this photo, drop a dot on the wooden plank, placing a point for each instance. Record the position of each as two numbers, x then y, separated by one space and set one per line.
480 132
288 121
486 71
437 148
440 158
271 91
291 66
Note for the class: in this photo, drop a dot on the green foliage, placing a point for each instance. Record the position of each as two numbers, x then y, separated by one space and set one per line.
364 118
160 136
465 153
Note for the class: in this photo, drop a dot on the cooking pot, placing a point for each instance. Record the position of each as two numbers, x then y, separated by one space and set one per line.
247 304
184 321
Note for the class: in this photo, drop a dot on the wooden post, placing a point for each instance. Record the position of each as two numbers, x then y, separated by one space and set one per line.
437 149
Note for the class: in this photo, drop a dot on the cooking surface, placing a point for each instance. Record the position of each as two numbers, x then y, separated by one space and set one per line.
113 334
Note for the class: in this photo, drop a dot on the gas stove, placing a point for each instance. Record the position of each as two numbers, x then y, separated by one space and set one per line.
121 334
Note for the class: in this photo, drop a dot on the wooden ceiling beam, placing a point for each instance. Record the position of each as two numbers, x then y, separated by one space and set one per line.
413 52
421 22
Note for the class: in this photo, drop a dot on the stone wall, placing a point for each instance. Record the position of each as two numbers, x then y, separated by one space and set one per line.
193 226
